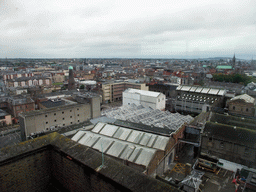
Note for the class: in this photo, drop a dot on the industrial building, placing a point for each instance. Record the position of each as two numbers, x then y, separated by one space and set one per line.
112 91
196 99
85 107
136 148
155 100
148 116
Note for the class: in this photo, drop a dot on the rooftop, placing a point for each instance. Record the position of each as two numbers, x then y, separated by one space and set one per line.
135 146
148 116
142 92
57 157
245 97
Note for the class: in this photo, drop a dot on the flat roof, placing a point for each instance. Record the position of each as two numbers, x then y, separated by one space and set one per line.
142 92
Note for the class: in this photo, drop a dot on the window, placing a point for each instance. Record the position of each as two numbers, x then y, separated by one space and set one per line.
63 124
77 114
70 116
62 112
46 122
78 121
210 139
247 152
221 145
77 109
158 100
63 118
71 122
247 110
70 110
54 113
55 120
234 107
45 115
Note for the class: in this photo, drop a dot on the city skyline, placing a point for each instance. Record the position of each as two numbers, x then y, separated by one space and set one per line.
119 29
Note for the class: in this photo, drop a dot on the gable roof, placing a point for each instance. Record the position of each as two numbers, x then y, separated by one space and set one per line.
246 98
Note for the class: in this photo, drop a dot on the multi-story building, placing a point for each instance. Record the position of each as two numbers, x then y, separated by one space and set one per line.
113 91
14 75
65 114
19 104
195 99
155 100
28 82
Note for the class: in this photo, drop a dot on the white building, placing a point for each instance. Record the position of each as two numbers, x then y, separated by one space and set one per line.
155 100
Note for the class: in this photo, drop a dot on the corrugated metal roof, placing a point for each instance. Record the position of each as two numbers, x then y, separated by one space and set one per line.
135 146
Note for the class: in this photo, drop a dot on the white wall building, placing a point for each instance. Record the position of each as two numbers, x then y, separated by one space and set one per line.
155 100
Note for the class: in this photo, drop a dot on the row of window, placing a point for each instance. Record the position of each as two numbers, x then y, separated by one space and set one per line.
63 113
64 124
234 108
62 119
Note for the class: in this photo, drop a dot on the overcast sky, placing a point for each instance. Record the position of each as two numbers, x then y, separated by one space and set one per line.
127 28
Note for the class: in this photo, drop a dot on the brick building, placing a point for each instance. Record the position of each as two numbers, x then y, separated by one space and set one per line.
243 105
113 91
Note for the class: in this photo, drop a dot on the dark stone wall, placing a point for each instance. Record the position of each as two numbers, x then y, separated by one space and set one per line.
54 162
29 173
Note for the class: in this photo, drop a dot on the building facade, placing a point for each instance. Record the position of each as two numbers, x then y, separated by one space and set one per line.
155 100
112 92
196 99
243 105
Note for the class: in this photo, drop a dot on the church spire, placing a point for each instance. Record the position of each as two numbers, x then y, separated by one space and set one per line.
234 60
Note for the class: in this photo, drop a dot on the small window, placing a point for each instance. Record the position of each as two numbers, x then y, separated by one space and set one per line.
46 122
55 126
78 121
210 139
45 115
55 120
62 112
71 122
70 110
77 109
63 124
77 114
234 107
63 118
221 145
158 100
247 110
54 113
70 116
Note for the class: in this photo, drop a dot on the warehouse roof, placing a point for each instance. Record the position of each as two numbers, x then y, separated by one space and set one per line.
135 146
148 116
204 90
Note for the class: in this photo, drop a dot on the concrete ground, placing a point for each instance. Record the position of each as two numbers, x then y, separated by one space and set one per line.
221 181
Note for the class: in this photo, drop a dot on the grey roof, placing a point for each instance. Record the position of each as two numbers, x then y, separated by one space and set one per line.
245 97
50 104
148 116
204 90
123 143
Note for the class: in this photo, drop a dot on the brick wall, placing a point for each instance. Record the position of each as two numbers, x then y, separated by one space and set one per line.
31 173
